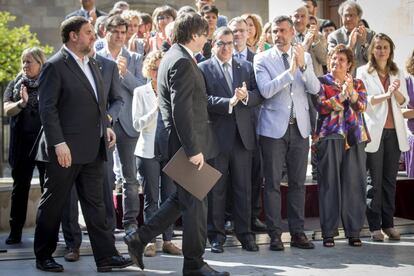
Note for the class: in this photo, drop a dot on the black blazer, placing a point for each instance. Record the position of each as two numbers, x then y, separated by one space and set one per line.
70 111
183 104
250 55
111 86
219 94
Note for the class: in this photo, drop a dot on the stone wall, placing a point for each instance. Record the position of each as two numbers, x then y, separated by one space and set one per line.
44 16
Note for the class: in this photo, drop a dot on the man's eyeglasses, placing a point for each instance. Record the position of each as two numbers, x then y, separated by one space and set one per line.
222 43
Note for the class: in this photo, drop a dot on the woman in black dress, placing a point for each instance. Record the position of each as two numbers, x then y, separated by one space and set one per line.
20 102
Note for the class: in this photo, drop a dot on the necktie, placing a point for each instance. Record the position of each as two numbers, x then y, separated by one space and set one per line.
286 63
241 56
227 75
300 36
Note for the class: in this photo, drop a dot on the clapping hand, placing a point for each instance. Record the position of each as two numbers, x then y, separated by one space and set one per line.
23 95
241 92
122 65
393 87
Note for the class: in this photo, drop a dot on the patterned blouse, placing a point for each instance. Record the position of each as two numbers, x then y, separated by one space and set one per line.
344 118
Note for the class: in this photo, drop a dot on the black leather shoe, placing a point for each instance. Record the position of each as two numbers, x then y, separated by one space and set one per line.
109 263
250 245
217 247
258 226
301 241
13 239
276 244
49 265
135 248
205 270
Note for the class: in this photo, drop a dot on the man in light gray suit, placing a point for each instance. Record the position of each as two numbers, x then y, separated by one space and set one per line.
351 34
130 71
284 75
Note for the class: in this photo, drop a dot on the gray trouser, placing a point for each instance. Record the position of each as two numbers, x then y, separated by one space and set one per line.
157 188
126 146
342 186
383 168
293 149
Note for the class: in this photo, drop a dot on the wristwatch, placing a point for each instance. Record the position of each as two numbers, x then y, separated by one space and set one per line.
303 68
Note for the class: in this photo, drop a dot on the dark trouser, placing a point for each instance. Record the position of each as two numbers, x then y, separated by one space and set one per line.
342 186
257 182
157 188
126 146
237 164
70 225
293 149
88 179
22 175
383 168
194 217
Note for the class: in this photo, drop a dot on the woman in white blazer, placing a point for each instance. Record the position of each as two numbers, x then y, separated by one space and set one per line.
387 93
145 120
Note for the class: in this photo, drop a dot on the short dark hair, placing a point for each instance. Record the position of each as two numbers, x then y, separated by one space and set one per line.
281 18
209 9
188 24
327 23
221 31
115 21
72 24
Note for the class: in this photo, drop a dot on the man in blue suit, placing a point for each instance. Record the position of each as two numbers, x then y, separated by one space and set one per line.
284 75
232 91
87 10
130 71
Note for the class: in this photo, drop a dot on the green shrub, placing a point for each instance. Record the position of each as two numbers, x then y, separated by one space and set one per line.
12 42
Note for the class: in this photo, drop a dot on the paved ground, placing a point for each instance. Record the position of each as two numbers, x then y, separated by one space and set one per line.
371 259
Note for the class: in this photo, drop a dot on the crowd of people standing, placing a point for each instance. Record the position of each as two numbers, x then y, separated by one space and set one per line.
128 89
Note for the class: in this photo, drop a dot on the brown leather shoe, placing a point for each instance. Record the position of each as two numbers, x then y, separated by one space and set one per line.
72 255
392 234
300 240
170 248
150 250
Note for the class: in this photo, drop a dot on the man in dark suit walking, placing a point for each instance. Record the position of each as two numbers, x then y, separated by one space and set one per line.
232 91
183 107
76 136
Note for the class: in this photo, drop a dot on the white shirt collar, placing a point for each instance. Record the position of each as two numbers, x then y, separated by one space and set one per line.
188 50
221 62
85 59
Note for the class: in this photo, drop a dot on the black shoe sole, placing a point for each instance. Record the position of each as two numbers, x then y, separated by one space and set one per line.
50 270
274 248
110 267
302 246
